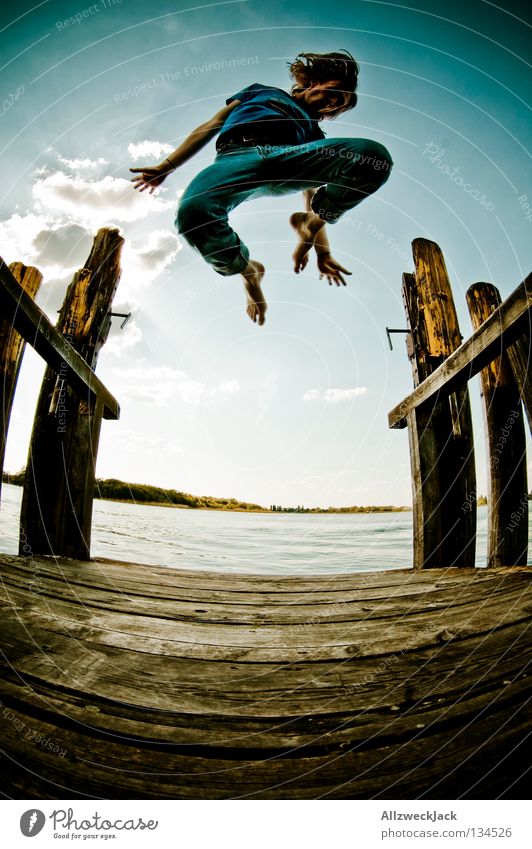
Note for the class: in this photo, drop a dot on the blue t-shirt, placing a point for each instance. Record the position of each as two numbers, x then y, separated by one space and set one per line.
274 113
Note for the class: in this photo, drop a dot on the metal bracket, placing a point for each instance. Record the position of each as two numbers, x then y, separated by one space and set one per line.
125 315
390 330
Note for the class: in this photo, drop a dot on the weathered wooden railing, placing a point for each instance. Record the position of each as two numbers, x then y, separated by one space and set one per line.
438 416
60 475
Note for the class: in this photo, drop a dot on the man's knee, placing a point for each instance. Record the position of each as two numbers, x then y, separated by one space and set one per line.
381 161
191 214
372 156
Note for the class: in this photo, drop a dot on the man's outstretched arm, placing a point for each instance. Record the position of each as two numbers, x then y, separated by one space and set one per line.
152 176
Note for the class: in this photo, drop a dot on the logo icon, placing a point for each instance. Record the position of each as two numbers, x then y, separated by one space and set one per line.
32 822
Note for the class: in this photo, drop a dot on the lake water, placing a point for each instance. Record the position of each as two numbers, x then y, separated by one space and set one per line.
280 543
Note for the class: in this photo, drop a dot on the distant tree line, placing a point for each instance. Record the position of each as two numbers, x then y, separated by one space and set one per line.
276 508
143 493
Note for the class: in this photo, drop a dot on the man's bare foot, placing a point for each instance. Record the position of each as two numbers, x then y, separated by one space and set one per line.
307 226
252 277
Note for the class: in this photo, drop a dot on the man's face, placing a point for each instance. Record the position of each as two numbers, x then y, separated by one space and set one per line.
322 98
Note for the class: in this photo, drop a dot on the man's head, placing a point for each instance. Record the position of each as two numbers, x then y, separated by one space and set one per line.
325 83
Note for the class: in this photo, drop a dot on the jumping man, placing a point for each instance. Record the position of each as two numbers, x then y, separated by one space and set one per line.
270 143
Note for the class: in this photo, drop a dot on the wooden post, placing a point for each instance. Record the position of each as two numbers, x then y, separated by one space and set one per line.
440 432
58 492
11 352
507 478
520 357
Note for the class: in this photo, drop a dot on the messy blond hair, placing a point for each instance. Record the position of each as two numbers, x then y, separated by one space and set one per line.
308 68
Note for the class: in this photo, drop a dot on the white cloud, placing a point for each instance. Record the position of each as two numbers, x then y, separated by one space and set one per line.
130 441
56 245
160 385
334 396
141 264
123 340
148 150
82 164
230 387
98 202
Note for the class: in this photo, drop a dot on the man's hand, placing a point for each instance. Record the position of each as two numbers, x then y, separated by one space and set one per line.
332 270
151 176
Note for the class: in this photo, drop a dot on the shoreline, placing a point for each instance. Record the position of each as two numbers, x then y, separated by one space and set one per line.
229 505
309 511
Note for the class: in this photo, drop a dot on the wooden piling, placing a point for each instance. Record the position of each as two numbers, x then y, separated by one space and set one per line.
520 357
506 448
440 432
58 492
11 352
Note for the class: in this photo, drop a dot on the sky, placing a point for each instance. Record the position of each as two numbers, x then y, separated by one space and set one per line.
294 412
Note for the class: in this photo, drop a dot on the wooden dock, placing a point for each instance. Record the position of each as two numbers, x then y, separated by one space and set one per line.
128 681
131 681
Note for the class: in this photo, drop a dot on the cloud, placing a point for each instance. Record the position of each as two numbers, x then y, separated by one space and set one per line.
98 202
57 246
130 441
334 396
148 150
141 264
82 164
229 388
120 340
160 385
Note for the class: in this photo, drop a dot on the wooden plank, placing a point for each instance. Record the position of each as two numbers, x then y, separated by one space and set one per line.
346 705
201 606
34 326
56 513
149 702
275 642
520 356
501 329
440 436
11 352
506 448
452 716
160 583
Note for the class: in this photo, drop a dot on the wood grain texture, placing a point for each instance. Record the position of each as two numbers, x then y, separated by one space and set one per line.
11 352
504 326
36 329
440 432
60 476
520 356
146 682
506 447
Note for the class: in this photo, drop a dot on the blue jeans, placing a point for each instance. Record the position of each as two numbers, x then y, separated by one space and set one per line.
351 169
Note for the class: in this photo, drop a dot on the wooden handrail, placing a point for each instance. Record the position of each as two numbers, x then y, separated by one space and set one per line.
501 328
38 331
